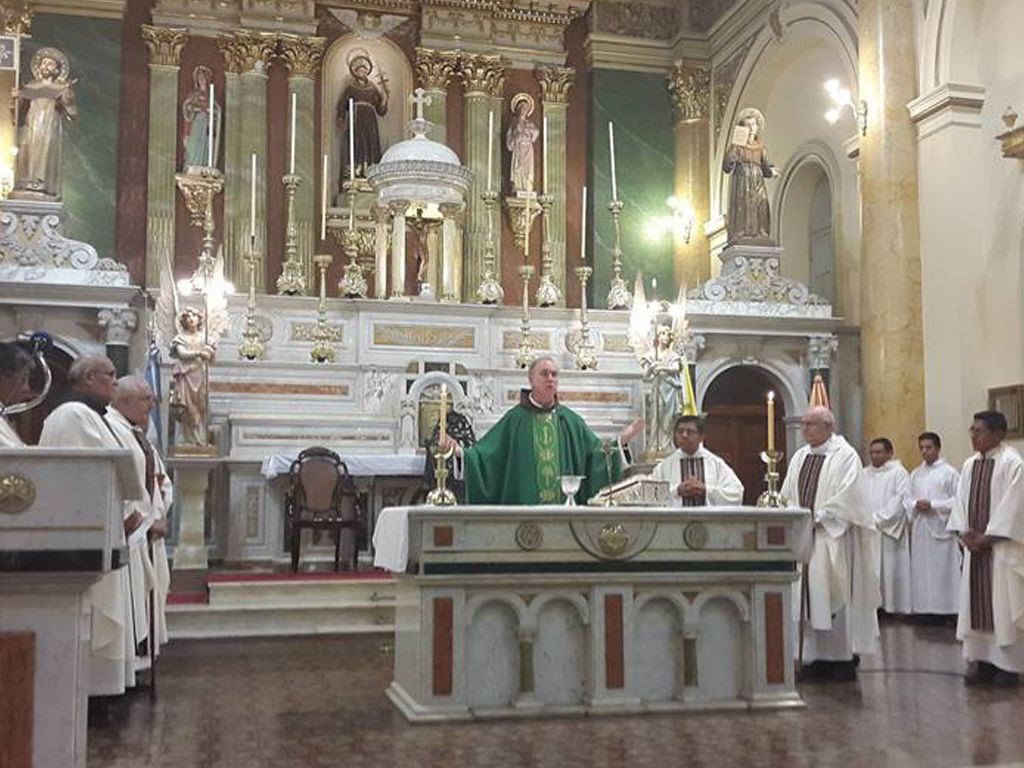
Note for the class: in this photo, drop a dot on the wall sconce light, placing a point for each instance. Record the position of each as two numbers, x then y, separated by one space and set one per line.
841 97
679 223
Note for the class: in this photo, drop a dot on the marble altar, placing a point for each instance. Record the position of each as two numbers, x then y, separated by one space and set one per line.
535 611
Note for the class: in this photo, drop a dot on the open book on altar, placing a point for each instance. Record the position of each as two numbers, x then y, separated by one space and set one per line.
635 491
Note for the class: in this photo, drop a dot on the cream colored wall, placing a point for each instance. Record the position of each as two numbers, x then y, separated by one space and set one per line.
972 207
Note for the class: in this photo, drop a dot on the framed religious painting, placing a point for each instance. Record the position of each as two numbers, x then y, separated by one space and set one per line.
1009 401
8 52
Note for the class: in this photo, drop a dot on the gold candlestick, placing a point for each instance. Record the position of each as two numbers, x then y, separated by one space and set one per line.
323 349
524 355
772 498
548 294
619 296
251 347
489 291
353 283
441 496
292 280
579 341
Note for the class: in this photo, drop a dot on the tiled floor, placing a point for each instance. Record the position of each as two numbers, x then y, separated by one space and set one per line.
316 702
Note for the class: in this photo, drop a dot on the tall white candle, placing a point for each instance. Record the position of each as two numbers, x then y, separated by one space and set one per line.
291 162
352 139
611 152
323 200
252 199
209 129
526 247
544 163
583 229
490 146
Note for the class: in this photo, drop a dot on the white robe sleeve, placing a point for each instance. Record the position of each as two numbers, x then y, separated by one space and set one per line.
725 488
943 506
840 497
958 513
891 516
1006 518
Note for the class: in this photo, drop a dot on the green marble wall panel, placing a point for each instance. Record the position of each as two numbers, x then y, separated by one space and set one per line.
89 153
236 199
639 105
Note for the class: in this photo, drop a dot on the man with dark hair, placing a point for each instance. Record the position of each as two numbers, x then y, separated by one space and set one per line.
15 368
934 554
988 513
697 477
885 485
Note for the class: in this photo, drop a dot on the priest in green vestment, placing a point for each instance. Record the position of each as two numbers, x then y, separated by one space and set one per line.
522 458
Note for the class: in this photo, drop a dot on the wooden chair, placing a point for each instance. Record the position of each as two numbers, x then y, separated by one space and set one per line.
322 497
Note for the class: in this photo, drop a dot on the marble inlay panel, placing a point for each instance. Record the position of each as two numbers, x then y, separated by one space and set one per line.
307 332
539 340
279 388
438 336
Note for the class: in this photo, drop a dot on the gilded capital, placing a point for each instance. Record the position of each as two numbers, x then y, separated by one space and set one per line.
483 73
690 88
15 17
302 55
246 51
434 69
555 83
164 44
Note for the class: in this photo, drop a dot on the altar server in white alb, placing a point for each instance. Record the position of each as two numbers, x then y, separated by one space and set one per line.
81 423
934 551
697 477
839 597
15 368
988 514
885 488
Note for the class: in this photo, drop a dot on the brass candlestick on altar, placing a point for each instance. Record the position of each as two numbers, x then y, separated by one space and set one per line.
353 283
251 346
292 281
548 294
524 354
323 349
771 497
619 296
579 341
441 496
489 291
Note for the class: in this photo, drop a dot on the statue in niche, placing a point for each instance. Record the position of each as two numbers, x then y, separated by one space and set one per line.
746 162
50 101
369 102
522 134
195 116
193 353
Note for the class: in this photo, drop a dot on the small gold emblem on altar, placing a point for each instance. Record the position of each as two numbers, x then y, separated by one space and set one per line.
636 491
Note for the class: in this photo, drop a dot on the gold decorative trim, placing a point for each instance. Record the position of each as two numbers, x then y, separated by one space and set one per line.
16 18
555 83
302 55
483 74
242 50
613 539
690 88
308 332
434 69
164 44
538 340
17 493
279 388
436 336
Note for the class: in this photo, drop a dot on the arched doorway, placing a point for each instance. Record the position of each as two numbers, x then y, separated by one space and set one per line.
805 229
737 424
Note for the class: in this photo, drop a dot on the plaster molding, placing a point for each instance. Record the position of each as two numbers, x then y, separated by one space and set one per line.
950 104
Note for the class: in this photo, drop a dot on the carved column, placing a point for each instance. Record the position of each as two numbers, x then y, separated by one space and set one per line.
892 354
119 324
164 44
820 349
380 252
555 83
302 56
689 88
398 209
451 272
484 78
248 54
236 230
434 70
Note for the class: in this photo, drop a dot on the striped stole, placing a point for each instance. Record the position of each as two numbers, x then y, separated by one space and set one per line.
693 467
810 473
978 508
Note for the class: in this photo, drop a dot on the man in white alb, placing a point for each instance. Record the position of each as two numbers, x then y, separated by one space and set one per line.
988 513
697 477
885 488
934 551
836 598
81 422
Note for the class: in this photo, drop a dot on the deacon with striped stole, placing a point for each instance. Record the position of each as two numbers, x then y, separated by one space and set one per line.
696 476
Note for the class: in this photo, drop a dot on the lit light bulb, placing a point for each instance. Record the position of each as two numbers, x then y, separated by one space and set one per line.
185 286
672 202
831 86
843 96
832 116
229 288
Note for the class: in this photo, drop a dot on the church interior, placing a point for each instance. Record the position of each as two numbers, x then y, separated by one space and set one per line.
352 231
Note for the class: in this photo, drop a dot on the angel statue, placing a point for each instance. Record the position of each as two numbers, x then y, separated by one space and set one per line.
522 134
746 162
50 102
657 331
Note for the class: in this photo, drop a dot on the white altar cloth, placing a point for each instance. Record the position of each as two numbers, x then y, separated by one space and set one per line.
364 465
391 540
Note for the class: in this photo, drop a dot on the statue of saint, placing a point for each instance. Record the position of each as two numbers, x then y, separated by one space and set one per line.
195 116
369 101
663 367
193 354
522 134
746 161
50 102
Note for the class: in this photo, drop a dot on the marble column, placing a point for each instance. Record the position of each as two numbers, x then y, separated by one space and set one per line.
164 44
398 209
249 54
236 202
555 83
689 88
380 252
484 78
450 286
892 355
120 324
302 56
434 70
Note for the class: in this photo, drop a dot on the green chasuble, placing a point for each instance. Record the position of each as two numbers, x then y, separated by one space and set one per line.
522 457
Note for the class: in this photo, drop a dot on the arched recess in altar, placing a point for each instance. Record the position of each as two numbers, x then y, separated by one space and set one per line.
388 59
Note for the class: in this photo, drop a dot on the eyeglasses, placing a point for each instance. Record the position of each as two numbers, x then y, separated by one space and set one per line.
812 423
